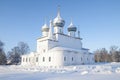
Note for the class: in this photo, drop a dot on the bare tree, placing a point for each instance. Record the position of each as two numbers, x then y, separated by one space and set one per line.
101 55
14 56
104 55
114 53
97 56
24 48
2 54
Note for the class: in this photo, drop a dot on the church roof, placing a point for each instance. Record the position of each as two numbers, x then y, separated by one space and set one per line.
85 49
64 48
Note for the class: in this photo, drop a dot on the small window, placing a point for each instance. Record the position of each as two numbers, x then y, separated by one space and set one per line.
49 59
61 31
81 58
29 59
43 59
26 59
72 58
36 59
43 50
64 58
23 59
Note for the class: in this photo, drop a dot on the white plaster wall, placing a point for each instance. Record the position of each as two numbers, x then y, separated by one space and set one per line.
92 58
58 29
52 44
69 42
30 56
42 45
57 56
44 33
71 33
56 59
76 58
45 44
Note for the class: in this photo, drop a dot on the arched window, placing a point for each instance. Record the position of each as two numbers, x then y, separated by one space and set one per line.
36 59
43 50
43 59
26 59
87 58
70 33
81 58
72 58
64 58
60 31
23 59
49 59
29 59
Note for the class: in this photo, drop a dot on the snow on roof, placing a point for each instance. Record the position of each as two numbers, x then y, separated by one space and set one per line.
85 49
64 48
31 53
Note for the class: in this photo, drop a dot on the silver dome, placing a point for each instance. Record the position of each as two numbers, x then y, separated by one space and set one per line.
45 28
58 21
72 27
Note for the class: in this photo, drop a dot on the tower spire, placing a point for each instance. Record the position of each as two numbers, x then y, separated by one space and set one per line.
45 21
58 14
50 31
71 23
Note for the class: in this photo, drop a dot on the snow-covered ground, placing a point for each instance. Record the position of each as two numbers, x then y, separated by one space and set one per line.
108 71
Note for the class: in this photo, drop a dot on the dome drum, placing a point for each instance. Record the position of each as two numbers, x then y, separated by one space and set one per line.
72 29
59 23
45 29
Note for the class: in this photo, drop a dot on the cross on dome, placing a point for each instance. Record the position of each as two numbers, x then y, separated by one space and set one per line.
58 14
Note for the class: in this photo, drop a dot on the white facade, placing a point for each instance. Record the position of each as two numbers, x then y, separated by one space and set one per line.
55 48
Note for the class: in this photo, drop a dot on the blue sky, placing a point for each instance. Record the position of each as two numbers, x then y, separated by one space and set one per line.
98 21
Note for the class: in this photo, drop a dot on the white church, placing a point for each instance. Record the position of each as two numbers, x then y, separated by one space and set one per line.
55 48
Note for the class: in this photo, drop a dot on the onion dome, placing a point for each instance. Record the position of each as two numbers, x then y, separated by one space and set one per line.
72 27
58 21
45 28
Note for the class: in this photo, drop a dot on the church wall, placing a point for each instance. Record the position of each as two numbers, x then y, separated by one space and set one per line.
58 29
28 59
73 58
42 46
67 41
58 58
78 58
92 60
52 44
71 33
44 33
